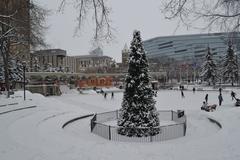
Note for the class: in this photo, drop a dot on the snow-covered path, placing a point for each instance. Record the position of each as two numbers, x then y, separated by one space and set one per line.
36 133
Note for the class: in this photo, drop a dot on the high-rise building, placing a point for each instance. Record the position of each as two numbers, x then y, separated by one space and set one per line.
190 49
20 10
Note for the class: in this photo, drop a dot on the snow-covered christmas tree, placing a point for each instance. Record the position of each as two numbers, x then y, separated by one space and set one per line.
138 107
209 69
230 67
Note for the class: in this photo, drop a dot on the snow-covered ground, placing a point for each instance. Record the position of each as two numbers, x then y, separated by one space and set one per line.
37 134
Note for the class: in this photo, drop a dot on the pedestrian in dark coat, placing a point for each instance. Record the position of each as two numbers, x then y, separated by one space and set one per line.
112 95
233 95
220 99
182 93
194 89
206 98
105 95
220 90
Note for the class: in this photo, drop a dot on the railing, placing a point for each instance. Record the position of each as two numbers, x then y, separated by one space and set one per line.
166 132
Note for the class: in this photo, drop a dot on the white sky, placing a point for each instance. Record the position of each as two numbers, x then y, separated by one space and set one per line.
127 15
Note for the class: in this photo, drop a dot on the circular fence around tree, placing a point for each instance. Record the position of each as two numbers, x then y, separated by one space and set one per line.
100 126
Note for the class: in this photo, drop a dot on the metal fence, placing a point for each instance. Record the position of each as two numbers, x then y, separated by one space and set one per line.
167 132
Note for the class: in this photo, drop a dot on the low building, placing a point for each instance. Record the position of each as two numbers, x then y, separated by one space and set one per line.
93 82
96 62
51 57
69 62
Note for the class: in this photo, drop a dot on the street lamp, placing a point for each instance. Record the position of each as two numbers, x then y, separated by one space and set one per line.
24 80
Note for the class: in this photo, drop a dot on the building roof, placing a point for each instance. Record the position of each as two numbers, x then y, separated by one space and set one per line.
204 35
91 56
51 52
125 49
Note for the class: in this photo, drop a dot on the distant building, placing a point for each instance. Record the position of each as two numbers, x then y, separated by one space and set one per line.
53 57
190 49
92 63
123 66
69 63
96 52
125 55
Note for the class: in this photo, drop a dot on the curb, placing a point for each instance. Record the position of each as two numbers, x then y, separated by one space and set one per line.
17 109
75 119
216 122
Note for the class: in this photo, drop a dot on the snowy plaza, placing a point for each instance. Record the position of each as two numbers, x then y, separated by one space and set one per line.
119 80
37 134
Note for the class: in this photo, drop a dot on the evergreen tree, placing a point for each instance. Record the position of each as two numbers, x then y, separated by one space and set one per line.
209 69
2 76
48 67
230 67
35 65
138 106
15 70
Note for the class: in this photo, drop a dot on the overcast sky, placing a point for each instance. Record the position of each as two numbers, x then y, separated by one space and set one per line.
127 15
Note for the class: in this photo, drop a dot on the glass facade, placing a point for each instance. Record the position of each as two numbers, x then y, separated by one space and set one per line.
191 49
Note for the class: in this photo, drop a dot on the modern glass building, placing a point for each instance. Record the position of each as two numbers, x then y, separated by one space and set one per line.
191 49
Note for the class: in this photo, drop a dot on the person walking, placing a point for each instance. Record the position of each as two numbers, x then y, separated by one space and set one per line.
233 95
206 98
220 99
105 95
220 90
182 93
112 95
194 89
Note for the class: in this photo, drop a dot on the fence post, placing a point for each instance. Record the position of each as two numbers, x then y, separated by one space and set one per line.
109 132
91 125
117 114
185 127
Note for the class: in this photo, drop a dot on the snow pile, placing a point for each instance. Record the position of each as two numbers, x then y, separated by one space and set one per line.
66 90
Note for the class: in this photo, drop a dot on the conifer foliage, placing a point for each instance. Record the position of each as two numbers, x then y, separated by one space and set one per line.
209 69
35 66
230 67
15 71
138 115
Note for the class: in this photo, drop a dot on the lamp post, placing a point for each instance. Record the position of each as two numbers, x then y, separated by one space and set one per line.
24 80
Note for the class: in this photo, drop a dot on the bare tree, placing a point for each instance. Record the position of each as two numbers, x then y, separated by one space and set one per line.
218 14
38 27
20 26
103 27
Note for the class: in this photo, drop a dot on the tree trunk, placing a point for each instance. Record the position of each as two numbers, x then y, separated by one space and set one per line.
5 55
